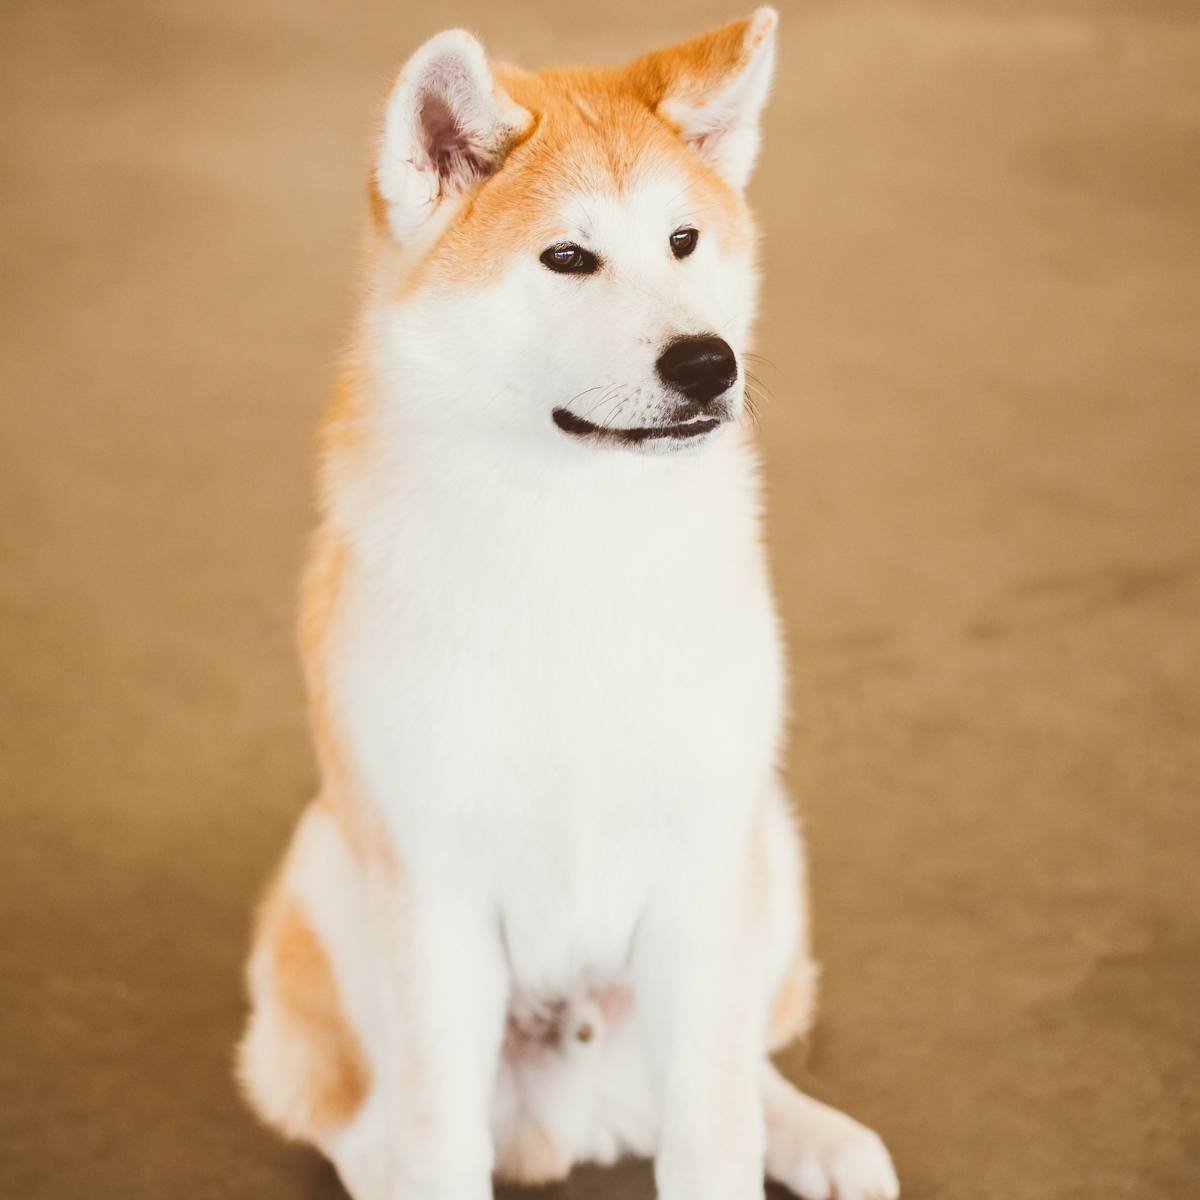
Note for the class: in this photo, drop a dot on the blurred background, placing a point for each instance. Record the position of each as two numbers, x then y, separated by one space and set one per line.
982 303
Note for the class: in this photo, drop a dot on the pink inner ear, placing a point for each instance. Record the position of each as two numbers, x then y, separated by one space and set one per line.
447 145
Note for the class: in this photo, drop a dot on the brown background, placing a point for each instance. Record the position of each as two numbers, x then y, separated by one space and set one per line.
983 303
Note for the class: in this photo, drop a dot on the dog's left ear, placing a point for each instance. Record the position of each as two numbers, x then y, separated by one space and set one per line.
713 88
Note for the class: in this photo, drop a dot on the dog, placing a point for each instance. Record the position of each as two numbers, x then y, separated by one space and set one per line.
548 905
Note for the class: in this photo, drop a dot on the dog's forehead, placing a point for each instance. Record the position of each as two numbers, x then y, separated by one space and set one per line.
596 140
599 168
657 201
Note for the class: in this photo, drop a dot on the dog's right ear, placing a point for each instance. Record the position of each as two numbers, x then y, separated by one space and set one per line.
446 127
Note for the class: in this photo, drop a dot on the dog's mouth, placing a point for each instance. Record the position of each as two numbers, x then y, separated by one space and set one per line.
681 431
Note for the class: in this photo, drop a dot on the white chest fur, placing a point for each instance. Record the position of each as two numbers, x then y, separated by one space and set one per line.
555 686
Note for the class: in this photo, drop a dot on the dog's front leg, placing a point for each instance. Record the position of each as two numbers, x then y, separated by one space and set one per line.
699 978
443 984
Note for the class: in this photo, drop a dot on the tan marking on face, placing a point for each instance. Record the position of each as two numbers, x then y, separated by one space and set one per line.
593 131
585 109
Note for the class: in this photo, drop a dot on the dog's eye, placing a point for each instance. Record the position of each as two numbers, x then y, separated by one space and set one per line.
568 259
683 242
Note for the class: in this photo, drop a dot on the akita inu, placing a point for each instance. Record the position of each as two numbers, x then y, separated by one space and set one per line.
548 904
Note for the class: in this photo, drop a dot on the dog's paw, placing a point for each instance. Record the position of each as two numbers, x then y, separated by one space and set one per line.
833 1157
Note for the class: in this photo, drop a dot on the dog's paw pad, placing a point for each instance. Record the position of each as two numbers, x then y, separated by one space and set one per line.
840 1160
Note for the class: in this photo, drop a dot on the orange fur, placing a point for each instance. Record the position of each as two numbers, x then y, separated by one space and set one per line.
308 990
791 1013
322 1076
697 65
319 593
321 590
592 130
342 424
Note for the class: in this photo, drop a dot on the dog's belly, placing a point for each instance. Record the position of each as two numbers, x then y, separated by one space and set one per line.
569 909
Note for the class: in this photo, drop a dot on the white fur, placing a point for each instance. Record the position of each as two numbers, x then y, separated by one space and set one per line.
558 672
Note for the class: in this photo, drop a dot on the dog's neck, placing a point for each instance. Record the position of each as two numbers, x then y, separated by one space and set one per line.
403 481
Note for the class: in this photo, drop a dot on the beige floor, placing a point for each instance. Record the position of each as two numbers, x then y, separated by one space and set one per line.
983 303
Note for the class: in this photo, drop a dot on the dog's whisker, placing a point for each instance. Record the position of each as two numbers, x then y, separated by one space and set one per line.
608 423
603 399
753 380
755 356
585 392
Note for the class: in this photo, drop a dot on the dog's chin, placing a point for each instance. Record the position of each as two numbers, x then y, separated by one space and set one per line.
664 438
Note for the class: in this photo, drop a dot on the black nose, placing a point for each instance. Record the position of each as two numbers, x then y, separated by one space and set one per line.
699 367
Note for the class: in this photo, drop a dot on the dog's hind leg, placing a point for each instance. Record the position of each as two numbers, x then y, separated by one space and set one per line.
361 1153
303 1061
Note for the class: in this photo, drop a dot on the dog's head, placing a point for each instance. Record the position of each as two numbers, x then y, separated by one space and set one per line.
568 254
